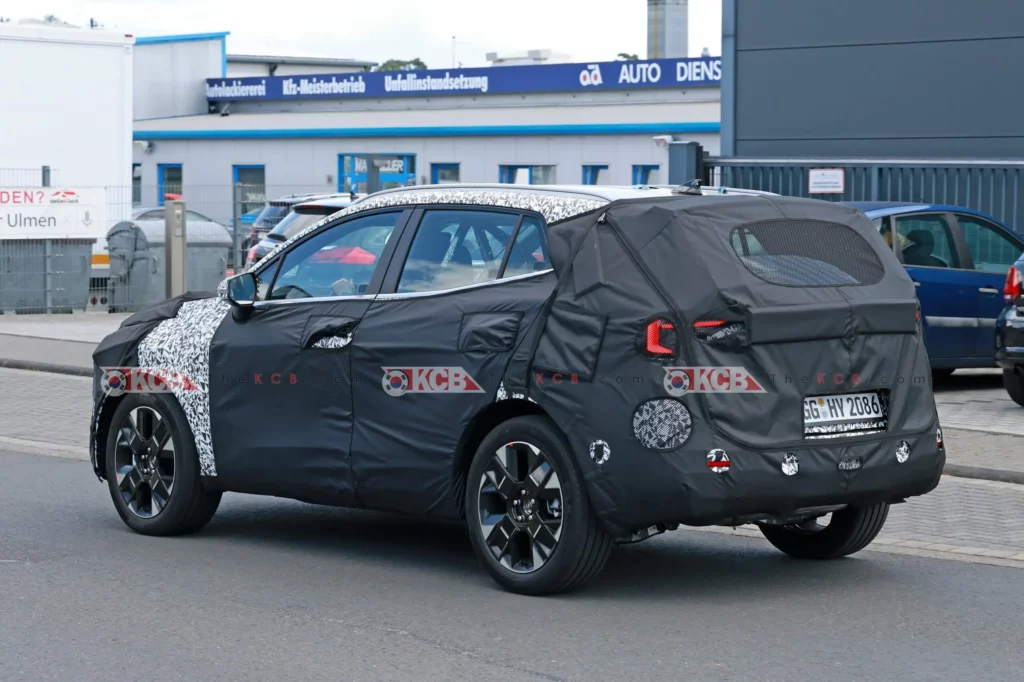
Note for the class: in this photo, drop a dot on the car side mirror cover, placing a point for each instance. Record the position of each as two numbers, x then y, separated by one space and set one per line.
241 290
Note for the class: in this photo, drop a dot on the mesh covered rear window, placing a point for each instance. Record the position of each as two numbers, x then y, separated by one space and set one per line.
806 253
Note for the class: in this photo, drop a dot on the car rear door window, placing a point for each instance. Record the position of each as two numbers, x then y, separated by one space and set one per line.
529 253
992 250
336 262
454 248
926 241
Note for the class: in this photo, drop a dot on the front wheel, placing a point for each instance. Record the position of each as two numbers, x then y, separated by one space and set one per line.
1013 380
850 530
153 468
528 513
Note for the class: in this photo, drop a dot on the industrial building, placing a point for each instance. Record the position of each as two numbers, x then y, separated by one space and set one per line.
207 122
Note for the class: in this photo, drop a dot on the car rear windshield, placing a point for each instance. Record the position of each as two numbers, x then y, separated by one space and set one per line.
806 253
294 223
271 215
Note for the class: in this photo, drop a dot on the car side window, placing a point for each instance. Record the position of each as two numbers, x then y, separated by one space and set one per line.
926 241
991 249
192 215
453 248
529 253
152 215
884 227
338 261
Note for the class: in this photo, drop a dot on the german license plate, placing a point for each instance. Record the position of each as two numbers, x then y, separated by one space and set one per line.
837 409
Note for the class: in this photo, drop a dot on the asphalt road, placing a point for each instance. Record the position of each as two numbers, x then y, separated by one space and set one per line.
278 590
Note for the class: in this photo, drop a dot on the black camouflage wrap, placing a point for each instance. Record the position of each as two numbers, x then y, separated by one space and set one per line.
640 259
295 400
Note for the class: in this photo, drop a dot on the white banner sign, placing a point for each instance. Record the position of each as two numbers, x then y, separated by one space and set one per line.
826 181
53 213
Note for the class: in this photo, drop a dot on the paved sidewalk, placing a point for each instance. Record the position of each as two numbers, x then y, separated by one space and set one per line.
57 343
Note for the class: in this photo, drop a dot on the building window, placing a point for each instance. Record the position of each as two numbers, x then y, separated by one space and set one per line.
527 175
645 174
393 170
250 192
169 180
591 174
136 184
444 173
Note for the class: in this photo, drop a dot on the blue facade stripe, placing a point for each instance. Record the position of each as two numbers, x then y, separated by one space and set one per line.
437 131
183 38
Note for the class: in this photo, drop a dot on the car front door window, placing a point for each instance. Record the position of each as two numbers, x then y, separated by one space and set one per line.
336 262
926 241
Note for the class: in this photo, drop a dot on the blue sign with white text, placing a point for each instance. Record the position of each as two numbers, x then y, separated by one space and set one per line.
622 75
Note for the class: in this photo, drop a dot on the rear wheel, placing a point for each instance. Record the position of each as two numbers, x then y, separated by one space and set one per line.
153 468
528 513
850 530
1013 380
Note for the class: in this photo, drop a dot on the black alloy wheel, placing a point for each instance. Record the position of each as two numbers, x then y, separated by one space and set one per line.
152 467
520 507
528 512
144 462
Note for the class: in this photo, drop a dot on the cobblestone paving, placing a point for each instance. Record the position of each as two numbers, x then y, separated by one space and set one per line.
966 517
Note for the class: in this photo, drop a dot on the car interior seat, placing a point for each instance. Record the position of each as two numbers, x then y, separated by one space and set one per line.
920 251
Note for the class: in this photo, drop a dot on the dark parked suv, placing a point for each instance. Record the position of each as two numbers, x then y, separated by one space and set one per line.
561 368
1010 333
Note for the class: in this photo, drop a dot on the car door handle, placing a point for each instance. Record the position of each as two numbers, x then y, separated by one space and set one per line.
988 290
917 284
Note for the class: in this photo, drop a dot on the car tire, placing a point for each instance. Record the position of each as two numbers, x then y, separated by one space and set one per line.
135 460
1013 381
850 530
512 517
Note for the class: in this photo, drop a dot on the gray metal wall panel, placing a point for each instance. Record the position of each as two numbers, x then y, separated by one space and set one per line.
878 78
791 23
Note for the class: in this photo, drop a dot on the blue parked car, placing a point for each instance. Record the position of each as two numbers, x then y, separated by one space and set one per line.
958 259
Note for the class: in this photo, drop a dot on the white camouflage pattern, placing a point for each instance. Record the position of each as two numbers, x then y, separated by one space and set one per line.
183 343
333 342
553 206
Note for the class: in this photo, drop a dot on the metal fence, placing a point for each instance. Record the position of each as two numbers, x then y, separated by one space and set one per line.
46 275
993 187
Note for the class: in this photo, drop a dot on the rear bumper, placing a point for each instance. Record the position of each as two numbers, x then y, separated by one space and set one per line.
1010 338
683 489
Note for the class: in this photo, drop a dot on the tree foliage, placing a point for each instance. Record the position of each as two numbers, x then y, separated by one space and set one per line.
415 64
627 56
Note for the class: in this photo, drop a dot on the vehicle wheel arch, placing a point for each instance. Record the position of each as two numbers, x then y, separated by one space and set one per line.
482 424
102 429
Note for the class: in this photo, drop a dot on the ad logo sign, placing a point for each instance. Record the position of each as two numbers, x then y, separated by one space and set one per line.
120 380
398 381
679 381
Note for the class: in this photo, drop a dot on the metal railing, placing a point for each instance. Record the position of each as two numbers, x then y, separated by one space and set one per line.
993 187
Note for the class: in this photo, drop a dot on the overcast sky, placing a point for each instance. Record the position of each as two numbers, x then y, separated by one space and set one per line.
375 30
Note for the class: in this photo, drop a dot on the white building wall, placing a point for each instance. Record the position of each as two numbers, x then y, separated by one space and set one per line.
170 78
300 165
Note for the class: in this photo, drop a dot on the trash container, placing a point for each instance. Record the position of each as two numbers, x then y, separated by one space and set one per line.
138 257
44 275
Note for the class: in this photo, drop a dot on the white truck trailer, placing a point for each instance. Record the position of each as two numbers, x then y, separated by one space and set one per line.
67 105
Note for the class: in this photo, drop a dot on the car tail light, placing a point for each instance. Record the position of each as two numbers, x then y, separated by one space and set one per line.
1011 292
661 338
252 255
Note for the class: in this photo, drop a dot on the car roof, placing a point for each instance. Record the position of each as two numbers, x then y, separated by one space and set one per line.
606 192
879 209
